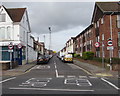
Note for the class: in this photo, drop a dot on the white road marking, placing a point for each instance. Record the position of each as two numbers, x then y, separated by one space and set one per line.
74 90
89 83
71 76
110 83
93 77
82 76
61 76
56 72
7 79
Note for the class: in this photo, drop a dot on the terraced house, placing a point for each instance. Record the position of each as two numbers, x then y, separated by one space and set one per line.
105 26
15 29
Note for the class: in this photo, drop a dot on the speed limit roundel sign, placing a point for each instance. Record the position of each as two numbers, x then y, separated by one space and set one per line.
10 46
19 45
97 44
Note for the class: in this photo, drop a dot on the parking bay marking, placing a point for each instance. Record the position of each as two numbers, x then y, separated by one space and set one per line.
36 82
77 81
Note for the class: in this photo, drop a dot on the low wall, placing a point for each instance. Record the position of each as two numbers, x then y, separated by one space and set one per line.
116 67
6 64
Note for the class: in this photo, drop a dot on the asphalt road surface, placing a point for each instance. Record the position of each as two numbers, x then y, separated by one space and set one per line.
57 77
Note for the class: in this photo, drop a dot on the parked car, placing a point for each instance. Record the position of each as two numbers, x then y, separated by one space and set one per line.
42 59
68 58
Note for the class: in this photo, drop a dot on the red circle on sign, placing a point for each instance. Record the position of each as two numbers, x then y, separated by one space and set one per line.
97 44
10 46
109 43
19 45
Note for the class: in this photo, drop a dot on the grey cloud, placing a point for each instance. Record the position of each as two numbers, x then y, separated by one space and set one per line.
60 16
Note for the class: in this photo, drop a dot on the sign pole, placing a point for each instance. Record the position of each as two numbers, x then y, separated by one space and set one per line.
102 55
10 60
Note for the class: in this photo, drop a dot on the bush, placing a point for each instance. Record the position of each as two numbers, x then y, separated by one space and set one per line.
76 55
97 59
88 55
115 60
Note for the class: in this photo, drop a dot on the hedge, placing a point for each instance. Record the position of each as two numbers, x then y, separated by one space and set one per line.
87 55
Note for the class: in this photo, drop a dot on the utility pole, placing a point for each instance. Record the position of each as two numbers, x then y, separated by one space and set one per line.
44 39
49 39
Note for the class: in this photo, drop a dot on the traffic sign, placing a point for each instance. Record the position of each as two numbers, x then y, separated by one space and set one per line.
19 45
97 44
109 43
10 50
110 47
10 46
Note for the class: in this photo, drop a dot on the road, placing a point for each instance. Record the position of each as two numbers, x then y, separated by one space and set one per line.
57 77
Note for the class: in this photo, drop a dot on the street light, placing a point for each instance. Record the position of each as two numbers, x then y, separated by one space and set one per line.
49 39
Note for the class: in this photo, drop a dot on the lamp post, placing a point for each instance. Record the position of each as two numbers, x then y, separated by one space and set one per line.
49 39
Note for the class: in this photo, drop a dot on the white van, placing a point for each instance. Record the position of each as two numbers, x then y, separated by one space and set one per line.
68 58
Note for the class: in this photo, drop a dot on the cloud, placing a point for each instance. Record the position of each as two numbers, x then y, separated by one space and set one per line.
66 19
59 15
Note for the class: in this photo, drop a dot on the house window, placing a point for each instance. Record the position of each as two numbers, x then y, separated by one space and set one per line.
97 23
2 33
2 17
118 38
102 36
102 20
8 34
97 39
118 21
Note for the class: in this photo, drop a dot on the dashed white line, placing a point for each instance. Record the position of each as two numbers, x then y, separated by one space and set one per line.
56 72
7 79
74 90
110 83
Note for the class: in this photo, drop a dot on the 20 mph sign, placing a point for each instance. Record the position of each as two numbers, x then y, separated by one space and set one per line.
10 46
97 44
19 45
109 43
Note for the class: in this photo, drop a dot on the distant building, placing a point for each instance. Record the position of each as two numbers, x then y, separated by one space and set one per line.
70 45
15 29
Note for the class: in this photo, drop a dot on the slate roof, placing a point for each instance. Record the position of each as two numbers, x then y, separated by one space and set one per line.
15 14
108 6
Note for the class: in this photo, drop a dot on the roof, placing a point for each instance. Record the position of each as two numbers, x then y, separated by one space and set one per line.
108 6
15 14
105 8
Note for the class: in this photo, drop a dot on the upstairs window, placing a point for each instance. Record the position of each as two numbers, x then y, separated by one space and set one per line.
102 20
118 21
2 33
118 38
2 17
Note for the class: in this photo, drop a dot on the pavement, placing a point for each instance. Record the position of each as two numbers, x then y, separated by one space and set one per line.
97 71
20 69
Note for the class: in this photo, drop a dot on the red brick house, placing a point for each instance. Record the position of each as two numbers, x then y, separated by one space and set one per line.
105 25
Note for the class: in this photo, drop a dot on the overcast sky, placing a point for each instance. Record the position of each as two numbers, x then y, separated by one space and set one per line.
66 19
